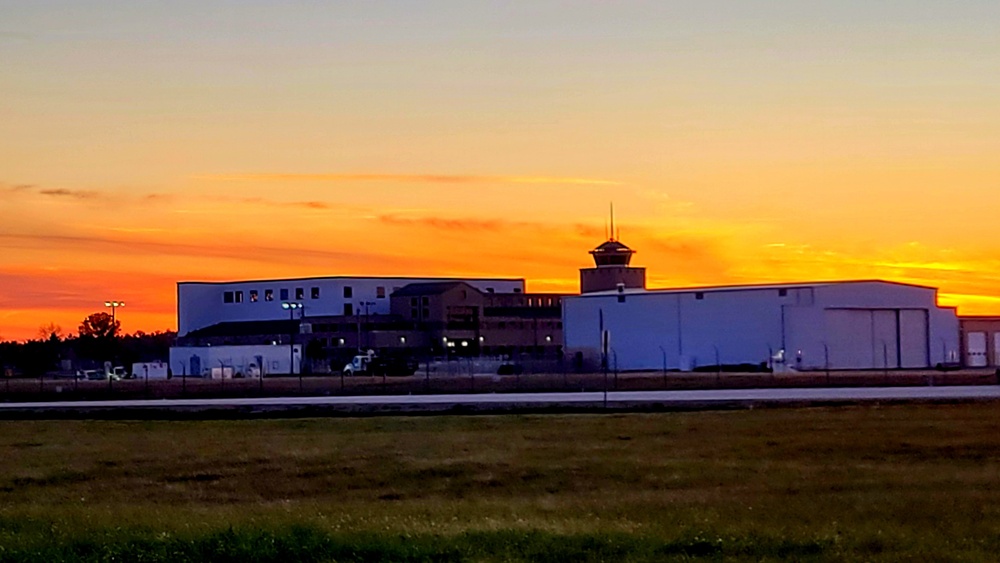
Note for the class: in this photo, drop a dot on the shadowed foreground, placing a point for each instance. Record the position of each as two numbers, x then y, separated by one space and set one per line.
825 484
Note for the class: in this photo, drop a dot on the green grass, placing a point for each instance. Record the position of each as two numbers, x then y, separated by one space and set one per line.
902 482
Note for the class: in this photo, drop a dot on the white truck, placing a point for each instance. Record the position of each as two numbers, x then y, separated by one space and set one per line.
370 364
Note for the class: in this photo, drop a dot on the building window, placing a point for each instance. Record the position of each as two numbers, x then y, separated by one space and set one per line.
489 290
253 295
427 313
425 301
517 290
348 292
380 292
782 293
268 295
238 296
414 302
300 293
414 312
348 309
314 293
284 295
699 295
227 297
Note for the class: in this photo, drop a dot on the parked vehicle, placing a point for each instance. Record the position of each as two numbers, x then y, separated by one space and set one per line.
370 364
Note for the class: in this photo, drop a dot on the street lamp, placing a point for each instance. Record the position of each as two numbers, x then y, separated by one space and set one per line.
114 305
291 306
366 305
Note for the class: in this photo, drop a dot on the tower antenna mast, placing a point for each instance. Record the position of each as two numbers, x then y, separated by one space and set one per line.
612 237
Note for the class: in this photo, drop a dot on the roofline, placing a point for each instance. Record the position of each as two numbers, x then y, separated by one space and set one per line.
758 286
412 279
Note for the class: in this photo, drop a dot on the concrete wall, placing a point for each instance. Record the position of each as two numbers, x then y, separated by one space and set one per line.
848 325
201 304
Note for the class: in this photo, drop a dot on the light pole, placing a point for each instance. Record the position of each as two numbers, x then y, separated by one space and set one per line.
366 305
114 305
291 306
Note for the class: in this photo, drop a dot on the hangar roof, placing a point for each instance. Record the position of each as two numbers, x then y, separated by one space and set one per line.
746 287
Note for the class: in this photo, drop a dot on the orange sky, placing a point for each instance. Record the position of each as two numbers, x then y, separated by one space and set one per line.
146 145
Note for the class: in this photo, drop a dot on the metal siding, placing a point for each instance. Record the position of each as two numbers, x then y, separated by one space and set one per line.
885 339
975 349
913 343
850 337
996 348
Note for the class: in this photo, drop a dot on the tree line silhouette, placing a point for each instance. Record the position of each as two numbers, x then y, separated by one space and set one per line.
98 339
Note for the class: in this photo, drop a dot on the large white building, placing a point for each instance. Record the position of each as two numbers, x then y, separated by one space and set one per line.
203 304
840 325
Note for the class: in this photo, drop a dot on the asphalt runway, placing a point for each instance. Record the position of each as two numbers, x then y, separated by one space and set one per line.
707 399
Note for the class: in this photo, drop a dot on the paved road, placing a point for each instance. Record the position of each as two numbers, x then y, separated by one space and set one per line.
508 401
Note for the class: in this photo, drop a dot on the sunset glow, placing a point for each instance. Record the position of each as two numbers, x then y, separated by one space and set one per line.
147 144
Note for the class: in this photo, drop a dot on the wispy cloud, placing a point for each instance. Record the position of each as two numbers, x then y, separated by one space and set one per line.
443 224
75 194
407 178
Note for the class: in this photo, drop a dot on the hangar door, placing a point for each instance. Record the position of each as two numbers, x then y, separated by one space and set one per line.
877 338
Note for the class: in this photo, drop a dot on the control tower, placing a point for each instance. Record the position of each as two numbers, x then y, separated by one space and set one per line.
612 269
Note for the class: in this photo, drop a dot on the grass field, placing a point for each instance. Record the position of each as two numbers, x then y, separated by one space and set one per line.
869 483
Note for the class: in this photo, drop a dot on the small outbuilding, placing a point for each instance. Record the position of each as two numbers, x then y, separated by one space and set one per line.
868 324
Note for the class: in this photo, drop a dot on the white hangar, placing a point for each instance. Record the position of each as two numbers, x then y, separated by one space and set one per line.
840 325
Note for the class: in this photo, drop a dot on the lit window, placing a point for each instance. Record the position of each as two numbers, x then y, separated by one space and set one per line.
268 295
227 297
348 292
253 295
380 292
284 295
300 293
314 293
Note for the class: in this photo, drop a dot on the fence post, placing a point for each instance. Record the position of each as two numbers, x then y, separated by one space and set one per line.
826 362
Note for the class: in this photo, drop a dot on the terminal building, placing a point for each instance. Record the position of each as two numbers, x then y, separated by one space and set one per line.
320 323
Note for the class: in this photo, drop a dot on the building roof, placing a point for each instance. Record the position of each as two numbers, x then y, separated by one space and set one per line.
349 278
611 246
245 328
745 287
430 288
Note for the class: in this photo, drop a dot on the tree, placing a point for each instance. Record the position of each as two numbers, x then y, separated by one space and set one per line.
100 326
51 331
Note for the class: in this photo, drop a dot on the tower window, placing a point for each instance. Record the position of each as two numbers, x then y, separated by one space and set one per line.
284 295
348 292
314 293
300 293
380 292
253 295
782 292
699 296
227 297
268 295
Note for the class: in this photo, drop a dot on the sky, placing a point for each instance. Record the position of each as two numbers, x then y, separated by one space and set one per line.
144 143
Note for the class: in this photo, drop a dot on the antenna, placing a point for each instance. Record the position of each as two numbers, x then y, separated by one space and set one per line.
612 221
